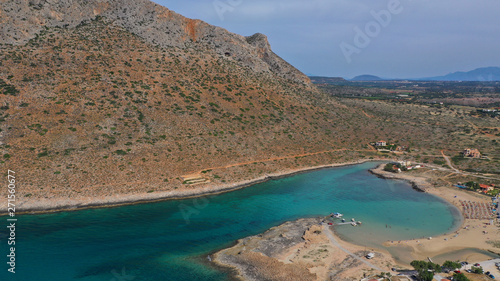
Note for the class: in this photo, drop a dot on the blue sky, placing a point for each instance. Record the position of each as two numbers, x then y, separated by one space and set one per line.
388 38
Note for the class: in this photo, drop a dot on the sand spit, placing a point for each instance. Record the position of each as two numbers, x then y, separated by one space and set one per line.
308 250
472 233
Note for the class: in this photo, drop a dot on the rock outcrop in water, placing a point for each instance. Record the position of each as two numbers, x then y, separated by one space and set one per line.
299 250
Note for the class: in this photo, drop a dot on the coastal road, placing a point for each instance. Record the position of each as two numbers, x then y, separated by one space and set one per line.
277 158
456 171
334 241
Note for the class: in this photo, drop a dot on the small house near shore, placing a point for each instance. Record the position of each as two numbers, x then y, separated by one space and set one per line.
472 153
405 163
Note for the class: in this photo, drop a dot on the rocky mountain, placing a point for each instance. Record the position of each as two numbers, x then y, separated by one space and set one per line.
22 20
105 98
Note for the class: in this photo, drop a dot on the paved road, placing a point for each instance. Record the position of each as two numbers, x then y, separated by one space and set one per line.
488 266
330 236
438 277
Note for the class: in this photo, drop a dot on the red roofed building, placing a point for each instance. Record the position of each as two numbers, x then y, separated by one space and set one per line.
485 188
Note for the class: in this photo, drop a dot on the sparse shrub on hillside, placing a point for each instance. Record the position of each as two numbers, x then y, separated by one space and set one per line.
7 89
120 152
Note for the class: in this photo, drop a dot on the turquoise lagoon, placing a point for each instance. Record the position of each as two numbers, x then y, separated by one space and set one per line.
171 240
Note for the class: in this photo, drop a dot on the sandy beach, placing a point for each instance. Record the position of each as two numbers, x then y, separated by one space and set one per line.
308 250
472 233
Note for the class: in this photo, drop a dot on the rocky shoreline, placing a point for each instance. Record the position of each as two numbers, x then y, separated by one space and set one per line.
416 183
301 250
271 255
68 204
251 252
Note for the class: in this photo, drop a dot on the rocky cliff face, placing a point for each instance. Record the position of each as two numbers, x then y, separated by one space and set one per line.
105 98
22 20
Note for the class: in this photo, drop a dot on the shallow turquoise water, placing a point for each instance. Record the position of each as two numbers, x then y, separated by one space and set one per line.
170 240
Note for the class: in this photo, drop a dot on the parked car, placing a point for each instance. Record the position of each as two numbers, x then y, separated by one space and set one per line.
491 276
477 264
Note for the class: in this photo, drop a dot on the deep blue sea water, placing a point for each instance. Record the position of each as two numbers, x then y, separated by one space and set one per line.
170 240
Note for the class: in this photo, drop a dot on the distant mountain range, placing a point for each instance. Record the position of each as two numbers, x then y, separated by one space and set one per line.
322 79
366 77
478 74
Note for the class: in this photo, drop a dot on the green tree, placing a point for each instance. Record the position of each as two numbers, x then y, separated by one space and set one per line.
451 265
424 265
478 270
418 265
460 277
425 269
425 275
389 167
472 185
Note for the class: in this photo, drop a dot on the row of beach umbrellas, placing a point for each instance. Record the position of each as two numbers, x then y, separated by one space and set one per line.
477 210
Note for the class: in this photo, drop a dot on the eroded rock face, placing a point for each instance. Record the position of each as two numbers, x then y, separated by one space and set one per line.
22 20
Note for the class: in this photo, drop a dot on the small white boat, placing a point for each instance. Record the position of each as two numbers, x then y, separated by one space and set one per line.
353 224
337 215
353 220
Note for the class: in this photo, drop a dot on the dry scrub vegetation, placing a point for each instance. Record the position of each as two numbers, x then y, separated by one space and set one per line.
94 111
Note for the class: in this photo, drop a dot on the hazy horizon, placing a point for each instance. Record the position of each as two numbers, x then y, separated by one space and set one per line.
346 38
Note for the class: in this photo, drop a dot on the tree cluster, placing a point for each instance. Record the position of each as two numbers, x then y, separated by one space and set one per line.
425 269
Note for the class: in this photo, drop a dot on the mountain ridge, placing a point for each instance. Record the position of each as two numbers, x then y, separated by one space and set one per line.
486 74
479 74
23 20
366 77
94 110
